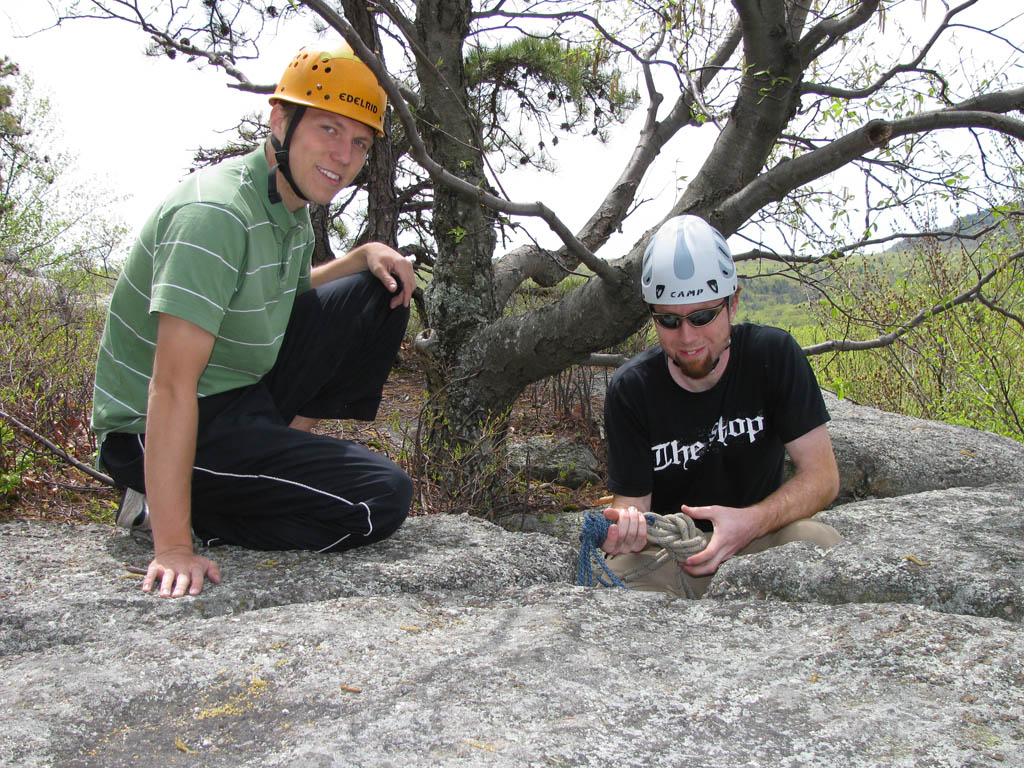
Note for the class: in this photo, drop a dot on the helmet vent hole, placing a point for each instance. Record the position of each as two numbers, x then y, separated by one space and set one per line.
316 67
326 70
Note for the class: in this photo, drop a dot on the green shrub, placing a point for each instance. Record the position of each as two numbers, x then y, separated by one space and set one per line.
962 364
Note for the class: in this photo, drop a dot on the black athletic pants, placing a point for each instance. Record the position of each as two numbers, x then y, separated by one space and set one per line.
256 482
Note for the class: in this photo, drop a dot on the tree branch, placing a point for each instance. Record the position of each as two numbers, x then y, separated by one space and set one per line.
547 267
942 235
788 175
179 43
606 360
419 152
832 31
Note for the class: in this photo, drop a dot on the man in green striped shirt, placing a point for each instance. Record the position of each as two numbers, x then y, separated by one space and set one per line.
222 346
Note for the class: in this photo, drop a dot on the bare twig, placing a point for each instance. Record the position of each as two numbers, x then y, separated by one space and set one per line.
971 294
52 447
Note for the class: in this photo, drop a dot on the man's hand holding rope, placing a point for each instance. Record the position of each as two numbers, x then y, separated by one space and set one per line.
628 530
734 528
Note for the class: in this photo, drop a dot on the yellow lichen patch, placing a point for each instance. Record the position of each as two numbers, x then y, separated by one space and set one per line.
983 735
181 746
237 704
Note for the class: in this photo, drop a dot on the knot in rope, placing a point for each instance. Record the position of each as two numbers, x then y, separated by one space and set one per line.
676 534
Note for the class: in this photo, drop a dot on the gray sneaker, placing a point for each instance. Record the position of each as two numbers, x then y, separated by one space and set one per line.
133 513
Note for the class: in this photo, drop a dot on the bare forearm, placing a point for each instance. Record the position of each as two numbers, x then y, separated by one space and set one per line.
172 417
811 488
343 266
803 495
813 485
643 503
393 270
170 452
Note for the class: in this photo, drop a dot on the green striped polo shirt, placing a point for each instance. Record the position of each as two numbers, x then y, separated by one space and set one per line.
218 254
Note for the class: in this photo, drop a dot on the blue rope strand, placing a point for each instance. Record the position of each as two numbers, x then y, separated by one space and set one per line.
593 535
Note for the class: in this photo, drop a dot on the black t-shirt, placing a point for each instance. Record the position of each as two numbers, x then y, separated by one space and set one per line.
724 446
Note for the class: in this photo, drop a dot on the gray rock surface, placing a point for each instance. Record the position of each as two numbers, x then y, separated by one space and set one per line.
957 551
883 454
457 642
555 460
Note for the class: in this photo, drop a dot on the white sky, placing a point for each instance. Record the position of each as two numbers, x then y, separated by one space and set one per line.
131 123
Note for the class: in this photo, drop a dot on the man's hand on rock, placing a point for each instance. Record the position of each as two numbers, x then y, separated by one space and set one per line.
180 571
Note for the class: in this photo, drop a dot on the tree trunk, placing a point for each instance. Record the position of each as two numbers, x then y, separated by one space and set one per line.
465 426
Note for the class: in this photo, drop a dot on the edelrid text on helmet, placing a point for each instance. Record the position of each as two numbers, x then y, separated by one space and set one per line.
687 262
336 81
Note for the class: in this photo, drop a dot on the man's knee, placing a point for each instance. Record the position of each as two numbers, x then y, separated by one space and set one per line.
362 289
389 504
344 525
817 533
398 503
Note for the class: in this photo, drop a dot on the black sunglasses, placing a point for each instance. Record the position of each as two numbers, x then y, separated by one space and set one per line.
697 319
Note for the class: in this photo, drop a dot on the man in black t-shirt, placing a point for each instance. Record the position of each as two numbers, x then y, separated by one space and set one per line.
701 424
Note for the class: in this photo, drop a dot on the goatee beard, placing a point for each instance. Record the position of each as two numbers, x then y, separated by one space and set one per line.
695 369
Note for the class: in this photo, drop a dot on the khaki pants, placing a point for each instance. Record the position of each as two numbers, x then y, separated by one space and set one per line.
669 577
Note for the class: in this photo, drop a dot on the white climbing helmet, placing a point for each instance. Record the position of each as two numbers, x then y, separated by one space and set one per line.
687 262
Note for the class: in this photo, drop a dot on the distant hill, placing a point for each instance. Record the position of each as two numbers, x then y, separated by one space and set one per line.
784 302
968 229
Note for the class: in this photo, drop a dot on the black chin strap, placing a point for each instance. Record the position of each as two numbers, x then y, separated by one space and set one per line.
729 344
281 157
719 358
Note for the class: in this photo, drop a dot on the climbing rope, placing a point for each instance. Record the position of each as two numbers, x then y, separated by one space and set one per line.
677 536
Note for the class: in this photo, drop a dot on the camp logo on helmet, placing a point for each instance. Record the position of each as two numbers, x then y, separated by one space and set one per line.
659 290
713 285
692 293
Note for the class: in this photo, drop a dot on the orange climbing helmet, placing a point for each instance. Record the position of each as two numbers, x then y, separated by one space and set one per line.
335 81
